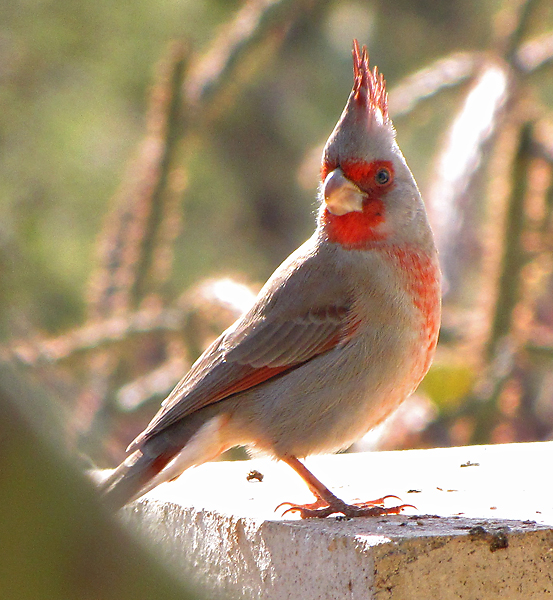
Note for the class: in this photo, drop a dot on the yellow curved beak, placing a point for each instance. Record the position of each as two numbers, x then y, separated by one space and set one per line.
341 195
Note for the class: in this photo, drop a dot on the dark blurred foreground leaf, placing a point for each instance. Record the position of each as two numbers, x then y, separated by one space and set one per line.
57 542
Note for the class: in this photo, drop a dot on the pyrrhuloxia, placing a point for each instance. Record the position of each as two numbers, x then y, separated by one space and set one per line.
342 332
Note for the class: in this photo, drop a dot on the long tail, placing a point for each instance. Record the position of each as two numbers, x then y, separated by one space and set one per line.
165 456
130 479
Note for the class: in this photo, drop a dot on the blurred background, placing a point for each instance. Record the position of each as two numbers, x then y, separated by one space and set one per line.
159 160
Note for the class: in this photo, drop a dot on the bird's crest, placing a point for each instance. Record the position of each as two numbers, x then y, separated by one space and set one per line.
369 87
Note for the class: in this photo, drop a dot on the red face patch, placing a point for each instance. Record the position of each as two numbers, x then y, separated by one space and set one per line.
356 230
369 176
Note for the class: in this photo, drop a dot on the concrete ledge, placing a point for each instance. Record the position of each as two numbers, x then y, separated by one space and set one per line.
483 527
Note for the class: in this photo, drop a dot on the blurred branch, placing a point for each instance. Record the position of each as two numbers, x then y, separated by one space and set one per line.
482 402
517 16
210 307
507 294
218 300
543 139
535 54
136 245
446 72
463 157
129 242
258 21
155 383
459 67
541 350
97 335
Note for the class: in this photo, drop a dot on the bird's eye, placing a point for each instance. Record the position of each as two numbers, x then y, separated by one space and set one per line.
382 176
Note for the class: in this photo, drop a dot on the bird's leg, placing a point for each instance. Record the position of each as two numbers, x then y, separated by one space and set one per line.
327 503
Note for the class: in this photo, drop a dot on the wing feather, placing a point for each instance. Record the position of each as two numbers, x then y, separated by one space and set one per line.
276 335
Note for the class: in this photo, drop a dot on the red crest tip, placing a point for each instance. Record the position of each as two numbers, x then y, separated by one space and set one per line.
369 87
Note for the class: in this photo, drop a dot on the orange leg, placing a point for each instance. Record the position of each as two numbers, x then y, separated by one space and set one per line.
327 503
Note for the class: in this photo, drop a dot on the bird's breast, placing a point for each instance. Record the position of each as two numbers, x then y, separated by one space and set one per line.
419 279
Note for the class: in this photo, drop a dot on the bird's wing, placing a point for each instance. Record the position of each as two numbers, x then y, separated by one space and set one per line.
279 333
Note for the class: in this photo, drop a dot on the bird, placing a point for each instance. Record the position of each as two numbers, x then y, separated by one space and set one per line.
339 336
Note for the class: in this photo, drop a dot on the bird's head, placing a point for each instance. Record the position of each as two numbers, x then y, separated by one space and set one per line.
368 192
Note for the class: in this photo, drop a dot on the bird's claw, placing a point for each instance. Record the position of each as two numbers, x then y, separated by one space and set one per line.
321 509
312 506
309 513
377 502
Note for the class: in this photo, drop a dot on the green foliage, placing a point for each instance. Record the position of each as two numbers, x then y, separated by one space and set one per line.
447 383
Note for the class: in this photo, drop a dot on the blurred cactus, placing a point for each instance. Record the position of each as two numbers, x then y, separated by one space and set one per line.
489 191
138 339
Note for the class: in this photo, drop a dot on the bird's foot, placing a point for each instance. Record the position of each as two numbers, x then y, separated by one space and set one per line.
322 509
319 503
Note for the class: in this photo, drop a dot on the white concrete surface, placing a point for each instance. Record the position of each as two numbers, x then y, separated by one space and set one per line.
480 531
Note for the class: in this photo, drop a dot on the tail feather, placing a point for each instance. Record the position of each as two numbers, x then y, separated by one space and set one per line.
165 456
128 480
